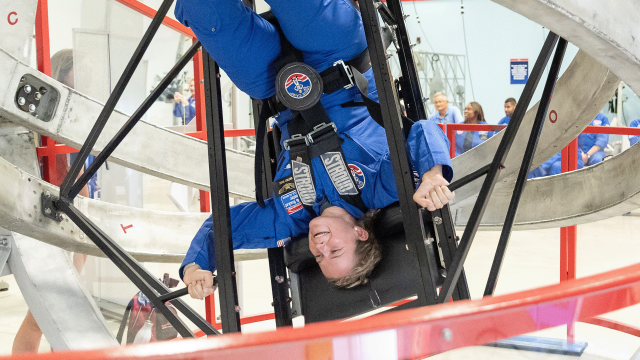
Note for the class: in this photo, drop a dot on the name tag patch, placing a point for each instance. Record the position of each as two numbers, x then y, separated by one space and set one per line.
304 182
337 170
291 202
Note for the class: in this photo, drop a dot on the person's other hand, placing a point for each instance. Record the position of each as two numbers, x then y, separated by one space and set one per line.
585 158
178 98
433 192
199 282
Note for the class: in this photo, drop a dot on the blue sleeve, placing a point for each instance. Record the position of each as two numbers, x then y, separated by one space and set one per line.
602 140
547 164
252 227
634 138
428 146
457 117
178 110
191 113
504 121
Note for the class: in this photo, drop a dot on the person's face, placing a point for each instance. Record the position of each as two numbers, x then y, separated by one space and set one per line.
192 87
469 113
441 103
333 240
509 108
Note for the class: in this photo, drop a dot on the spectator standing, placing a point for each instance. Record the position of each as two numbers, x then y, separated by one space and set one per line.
509 108
634 138
466 140
444 113
592 145
185 108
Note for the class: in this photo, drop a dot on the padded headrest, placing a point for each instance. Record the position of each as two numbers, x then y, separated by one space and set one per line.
297 255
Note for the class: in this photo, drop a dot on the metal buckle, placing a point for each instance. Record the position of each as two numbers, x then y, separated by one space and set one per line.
317 129
347 70
293 138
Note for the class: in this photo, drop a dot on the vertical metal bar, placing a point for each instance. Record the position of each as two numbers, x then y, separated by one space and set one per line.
492 176
411 92
446 233
108 108
133 120
222 244
568 234
401 167
521 182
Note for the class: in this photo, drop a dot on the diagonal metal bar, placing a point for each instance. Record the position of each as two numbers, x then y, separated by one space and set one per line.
469 178
120 253
401 168
107 247
133 120
108 108
411 92
222 244
538 123
492 176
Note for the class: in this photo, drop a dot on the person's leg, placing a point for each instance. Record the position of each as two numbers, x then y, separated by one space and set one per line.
242 43
596 158
324 30
556 168
28 338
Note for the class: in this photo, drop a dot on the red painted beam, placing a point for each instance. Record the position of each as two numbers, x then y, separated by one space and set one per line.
150 13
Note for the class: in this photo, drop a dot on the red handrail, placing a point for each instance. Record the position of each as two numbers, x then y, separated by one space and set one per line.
150 13
418 332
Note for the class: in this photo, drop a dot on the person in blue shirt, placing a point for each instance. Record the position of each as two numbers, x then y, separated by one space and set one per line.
592 145
245 46
444 113
509 108
466 140
553 166
185 109
634 138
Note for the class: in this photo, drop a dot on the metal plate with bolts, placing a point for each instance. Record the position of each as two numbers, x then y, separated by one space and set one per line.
37 98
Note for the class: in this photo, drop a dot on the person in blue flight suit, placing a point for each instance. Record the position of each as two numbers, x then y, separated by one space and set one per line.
245 46
185 109
634 138
553 166
509 108
592 145
444 113
466 140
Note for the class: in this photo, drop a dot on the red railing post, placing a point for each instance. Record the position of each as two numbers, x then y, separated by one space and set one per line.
43 56
569 234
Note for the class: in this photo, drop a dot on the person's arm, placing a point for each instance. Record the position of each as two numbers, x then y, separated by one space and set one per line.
178 110
252 227
429 153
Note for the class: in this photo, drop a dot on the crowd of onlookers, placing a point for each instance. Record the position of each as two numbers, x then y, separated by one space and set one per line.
590 146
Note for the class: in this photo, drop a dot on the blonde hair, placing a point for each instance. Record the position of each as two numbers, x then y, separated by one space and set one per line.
62 64
367 253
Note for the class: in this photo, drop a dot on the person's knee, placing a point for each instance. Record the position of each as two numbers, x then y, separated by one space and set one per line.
556 168
596 158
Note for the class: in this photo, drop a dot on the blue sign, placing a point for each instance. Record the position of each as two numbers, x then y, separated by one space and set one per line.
519 71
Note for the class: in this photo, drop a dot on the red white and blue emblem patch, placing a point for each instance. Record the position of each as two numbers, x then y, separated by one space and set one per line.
298 85
283 242
291 202
358 175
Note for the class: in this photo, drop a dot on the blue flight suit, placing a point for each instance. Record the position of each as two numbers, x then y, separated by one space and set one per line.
478 138
634 138
187 113
587 141
452 116
244 45
505 120
553 166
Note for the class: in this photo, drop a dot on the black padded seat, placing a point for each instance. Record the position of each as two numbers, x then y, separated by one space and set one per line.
394 278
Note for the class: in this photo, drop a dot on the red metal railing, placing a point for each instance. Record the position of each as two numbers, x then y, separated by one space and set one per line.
416 333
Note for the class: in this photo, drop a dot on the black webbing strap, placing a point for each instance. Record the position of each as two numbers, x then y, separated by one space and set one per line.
268 108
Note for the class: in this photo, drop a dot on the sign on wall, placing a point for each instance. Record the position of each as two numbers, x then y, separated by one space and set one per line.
519 71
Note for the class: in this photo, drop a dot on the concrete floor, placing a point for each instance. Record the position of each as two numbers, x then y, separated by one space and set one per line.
532 261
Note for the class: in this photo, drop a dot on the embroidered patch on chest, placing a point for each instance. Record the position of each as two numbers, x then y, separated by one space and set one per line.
358 175
291 202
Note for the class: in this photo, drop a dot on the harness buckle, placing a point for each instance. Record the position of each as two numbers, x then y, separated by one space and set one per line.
348 72
294 138
320 130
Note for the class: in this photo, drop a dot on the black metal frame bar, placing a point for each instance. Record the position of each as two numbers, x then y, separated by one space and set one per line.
496 165
521 182
401 168
222 244
155 290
